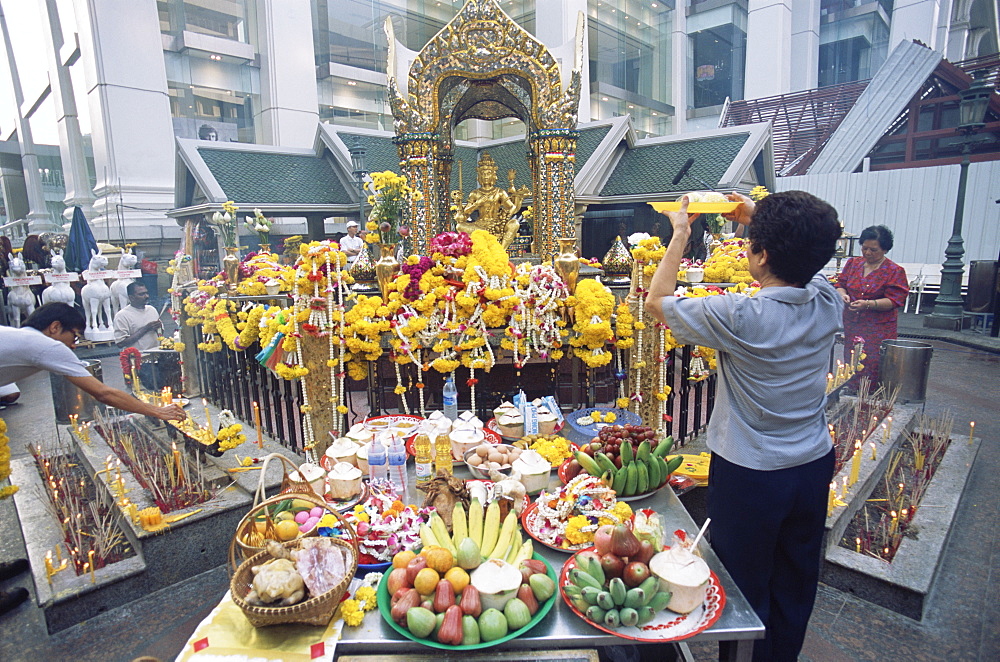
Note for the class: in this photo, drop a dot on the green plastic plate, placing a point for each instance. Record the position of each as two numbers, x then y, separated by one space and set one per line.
385 609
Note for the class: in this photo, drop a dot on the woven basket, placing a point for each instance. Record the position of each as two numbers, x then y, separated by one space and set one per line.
246 532
248 541
317 610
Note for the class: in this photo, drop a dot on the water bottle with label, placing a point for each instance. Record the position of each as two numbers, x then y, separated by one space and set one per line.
450 397
377 458
397 466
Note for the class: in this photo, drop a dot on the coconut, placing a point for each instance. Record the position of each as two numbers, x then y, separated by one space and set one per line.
684 575
497 582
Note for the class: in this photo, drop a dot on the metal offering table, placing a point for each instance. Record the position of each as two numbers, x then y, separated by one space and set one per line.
563 629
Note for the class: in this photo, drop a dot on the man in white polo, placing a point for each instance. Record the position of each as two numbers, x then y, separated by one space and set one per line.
352 243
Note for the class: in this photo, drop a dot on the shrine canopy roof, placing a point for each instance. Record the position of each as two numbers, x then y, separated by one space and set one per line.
279 181
612 166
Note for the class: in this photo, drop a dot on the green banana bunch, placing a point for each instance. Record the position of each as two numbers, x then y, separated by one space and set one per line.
645 470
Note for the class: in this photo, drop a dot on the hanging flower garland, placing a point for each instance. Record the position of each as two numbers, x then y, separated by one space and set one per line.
130 360
592 307
5 462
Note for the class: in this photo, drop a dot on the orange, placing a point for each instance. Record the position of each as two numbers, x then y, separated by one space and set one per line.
459 578
402 558
426 581
440 559
287 530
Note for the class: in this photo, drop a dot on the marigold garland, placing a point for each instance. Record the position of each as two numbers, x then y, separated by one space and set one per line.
5 462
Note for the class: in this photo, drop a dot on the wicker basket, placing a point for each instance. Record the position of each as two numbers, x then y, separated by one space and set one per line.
317 610
248 540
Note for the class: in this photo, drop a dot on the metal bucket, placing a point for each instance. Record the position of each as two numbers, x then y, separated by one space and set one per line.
905 364
68 399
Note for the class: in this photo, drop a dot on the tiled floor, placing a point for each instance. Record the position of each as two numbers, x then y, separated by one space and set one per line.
962 621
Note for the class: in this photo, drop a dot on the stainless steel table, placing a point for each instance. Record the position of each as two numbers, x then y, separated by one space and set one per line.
563 629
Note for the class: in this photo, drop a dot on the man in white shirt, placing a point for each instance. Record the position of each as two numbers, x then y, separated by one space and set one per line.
45 341
352 244
137 323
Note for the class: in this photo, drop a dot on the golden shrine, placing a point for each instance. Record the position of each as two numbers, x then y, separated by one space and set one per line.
482 65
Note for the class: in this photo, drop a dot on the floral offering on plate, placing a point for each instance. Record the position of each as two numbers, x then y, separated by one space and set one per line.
552 447
385 526
567 519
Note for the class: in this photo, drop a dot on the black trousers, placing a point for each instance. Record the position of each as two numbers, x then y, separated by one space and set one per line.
767 528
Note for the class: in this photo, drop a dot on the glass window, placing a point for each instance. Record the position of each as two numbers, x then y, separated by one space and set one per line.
351 31
226 19
354 103
718 60
852 49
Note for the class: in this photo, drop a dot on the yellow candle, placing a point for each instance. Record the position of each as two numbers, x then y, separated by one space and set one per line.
832 499
829 382
856 462
90 556
888 432
843 490
208 417
885 433
857 545
49 570
972 431
177 463
256 424
894 523
58 553
872 444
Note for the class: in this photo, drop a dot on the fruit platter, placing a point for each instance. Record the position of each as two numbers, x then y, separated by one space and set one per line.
634 589
473 587
625 457
567 519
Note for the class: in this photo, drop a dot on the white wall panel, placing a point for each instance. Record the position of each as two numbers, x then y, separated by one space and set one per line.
917 204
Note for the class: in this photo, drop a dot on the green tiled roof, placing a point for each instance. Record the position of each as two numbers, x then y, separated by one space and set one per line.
650 169
381 154
269 178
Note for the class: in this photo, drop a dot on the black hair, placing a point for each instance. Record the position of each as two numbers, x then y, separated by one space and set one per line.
879 233
65 314
205 132
799 232
130 288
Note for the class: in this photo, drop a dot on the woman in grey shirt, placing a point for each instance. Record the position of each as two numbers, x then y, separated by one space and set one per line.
772 458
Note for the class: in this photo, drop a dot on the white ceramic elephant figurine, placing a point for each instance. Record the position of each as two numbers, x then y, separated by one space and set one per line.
119 288
97 298
20 297
62 292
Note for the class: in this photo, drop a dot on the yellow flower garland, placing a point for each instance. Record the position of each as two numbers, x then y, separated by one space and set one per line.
5 461
593 306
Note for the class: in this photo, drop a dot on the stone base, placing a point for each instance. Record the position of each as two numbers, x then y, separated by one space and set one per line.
185 548
905 584
947 323
99 335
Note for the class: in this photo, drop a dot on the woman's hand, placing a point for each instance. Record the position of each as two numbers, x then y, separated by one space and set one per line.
744 213
844 296
860 305
681 220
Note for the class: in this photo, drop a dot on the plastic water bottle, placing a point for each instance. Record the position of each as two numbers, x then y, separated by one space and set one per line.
397 466
377 459
450 397
442 452
424 454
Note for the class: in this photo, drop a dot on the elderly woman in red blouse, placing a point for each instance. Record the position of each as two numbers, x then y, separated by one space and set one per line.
873 288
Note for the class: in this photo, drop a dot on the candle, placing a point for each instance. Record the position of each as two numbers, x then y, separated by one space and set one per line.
888 430
208 417
857 545
893 523
856 462
49 570
832 499
177 462
972 431
872 444
74 420
256 424
843 489
90 556
885 433
58 553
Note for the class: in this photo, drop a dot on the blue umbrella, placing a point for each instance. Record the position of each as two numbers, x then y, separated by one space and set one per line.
81 242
